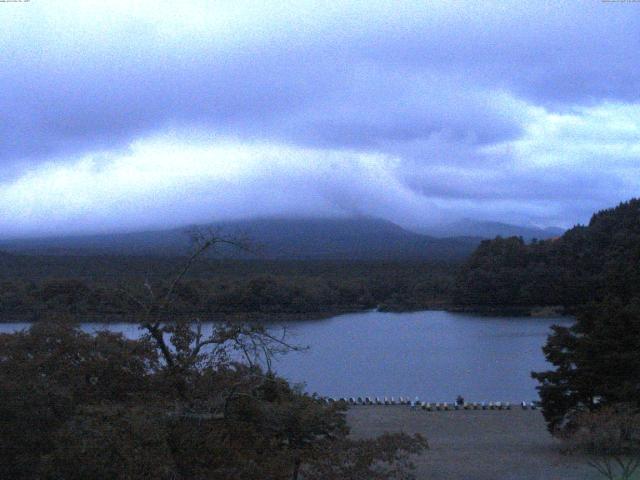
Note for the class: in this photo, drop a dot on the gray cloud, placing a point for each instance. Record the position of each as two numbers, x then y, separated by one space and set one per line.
448 91
345 82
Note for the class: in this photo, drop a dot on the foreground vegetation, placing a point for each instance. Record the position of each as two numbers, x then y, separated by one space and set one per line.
77 406
591 398
174 404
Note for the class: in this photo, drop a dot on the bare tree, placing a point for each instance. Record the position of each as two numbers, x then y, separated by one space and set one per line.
183 342
222 384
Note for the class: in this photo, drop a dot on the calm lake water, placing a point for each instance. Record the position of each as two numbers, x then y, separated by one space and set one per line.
434 355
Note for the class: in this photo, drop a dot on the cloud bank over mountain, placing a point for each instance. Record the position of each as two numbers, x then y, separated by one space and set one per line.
125 116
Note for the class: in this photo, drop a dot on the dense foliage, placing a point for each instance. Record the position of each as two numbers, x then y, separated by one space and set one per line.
594 272
79 406
92 287
597 363
587 263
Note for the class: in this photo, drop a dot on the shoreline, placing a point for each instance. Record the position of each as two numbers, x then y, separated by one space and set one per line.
269 317
205 317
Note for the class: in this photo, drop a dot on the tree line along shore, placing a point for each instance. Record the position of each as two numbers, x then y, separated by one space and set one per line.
96 288
504 276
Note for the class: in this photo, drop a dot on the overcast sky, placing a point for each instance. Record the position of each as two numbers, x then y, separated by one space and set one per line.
122 115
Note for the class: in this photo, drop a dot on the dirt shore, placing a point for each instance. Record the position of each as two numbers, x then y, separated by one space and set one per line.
476 445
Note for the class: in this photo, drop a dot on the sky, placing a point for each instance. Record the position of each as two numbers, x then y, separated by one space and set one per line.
120 115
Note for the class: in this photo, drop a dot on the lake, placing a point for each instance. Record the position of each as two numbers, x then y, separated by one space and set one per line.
434 355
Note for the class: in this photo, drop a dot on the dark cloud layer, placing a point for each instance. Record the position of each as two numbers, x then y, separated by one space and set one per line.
431 85
358 84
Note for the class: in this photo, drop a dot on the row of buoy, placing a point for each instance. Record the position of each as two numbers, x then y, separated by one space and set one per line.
372 400
465 406
428 406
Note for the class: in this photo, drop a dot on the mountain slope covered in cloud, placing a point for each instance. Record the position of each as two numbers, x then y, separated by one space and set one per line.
279 238
475 228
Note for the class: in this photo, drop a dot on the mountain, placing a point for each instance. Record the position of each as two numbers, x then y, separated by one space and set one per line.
474 228
277 238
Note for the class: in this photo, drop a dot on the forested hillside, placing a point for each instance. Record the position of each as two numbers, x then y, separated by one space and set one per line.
94 287
587 263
